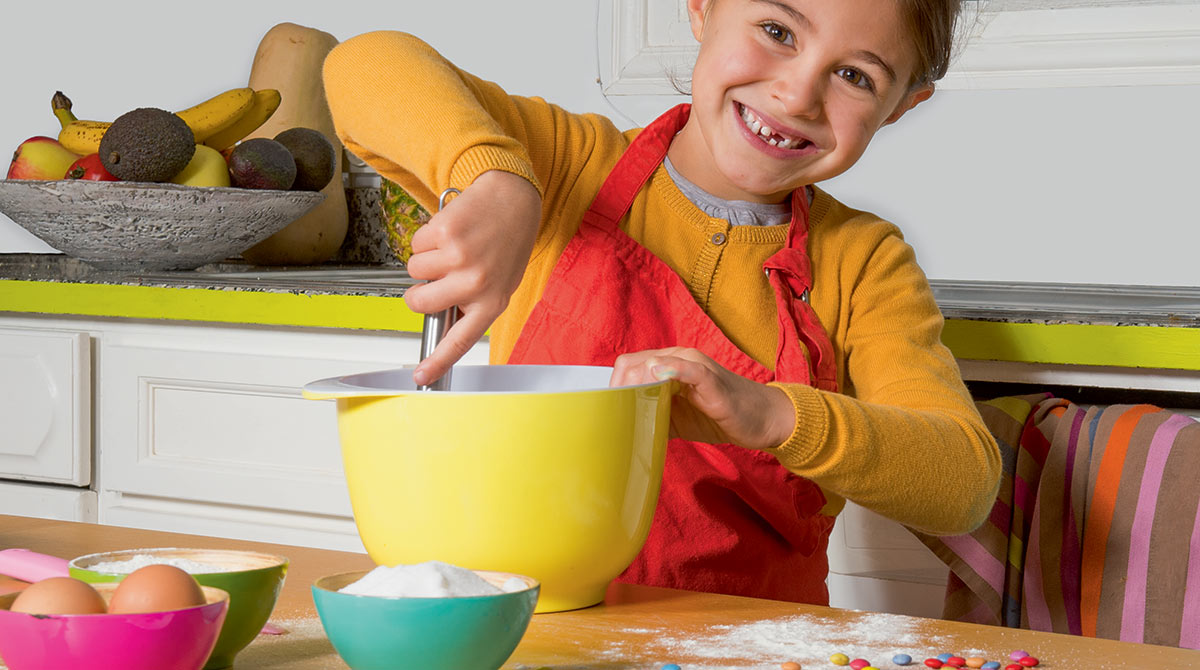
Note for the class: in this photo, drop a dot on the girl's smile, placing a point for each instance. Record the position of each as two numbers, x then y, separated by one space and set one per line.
786 93
787 143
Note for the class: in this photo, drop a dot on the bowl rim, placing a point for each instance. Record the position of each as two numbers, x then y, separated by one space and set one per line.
156 186
359 385
274 561
323 584
213 596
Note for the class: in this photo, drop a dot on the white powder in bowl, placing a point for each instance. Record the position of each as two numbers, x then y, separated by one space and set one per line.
432 579
142 560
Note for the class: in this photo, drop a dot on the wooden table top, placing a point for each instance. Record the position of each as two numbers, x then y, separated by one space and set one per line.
636 628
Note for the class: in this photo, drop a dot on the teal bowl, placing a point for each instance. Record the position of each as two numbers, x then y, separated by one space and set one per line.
457 633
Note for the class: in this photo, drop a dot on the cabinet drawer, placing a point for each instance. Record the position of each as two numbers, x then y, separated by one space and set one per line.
40 501
45 405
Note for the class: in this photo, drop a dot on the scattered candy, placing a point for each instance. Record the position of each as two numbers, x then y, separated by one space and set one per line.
944 657
670 666
990 665
839 659
1014 666
902 659
933 663
976 662
1018 654
790 665
956 661
1028 661
859 664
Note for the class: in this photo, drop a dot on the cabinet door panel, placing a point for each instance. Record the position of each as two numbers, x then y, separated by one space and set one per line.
45 406
216 416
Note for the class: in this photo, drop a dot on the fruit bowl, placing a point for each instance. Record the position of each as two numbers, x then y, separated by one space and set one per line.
142 226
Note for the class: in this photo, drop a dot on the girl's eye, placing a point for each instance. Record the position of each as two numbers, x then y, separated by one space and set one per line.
856 78
777 32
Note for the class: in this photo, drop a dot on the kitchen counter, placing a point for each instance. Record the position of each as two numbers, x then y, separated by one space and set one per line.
332 296
635 628
1137 326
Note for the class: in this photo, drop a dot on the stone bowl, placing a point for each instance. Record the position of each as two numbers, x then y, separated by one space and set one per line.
140 226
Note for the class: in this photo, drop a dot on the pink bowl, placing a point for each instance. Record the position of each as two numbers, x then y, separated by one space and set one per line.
172 640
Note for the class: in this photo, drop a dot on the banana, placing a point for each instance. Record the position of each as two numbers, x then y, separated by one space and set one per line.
218 112
266 101
205 119
81 137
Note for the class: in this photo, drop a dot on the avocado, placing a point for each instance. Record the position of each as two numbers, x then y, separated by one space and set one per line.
315 159
262 163
147 144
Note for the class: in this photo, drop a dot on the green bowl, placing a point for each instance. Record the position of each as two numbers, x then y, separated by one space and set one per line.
253 581
457 633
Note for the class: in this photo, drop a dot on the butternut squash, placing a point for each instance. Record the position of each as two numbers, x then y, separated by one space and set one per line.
289 59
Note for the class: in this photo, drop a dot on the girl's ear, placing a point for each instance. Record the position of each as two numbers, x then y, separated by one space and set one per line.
697 11
911 99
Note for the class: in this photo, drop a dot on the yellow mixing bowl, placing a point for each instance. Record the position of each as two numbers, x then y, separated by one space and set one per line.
541 470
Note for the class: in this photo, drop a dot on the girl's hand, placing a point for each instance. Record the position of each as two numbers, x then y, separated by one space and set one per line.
713 405
473 255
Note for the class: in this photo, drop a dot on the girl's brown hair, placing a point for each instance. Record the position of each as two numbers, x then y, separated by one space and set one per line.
931 24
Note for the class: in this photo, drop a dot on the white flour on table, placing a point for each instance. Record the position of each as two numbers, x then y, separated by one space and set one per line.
804 638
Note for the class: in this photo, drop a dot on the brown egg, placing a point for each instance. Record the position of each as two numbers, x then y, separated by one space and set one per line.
59 595
155 588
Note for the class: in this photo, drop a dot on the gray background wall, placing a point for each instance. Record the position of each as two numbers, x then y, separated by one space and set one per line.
1089 183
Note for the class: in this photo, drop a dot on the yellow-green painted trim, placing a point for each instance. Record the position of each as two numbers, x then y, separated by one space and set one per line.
200 304
1077 344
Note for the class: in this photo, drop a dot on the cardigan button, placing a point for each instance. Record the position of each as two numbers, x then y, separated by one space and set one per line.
718 239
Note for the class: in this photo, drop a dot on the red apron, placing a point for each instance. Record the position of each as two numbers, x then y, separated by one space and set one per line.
729 519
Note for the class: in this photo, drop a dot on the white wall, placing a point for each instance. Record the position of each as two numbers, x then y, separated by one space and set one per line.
1086 180
122 54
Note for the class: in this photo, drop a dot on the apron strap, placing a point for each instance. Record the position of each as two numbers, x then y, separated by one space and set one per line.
640 160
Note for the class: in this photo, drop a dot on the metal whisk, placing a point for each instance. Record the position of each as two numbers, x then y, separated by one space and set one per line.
438 323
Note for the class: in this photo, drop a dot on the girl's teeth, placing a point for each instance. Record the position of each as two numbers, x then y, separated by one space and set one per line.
757 127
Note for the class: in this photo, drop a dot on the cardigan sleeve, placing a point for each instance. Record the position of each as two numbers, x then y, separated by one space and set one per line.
422 122
904 439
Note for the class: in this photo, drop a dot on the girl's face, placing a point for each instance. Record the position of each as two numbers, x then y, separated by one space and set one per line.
787 93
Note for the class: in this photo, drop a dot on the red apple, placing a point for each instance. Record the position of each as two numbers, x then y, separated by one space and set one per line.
89 168
41 158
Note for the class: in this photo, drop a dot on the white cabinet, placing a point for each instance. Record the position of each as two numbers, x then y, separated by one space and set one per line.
45 406
63 503
199 427
876 564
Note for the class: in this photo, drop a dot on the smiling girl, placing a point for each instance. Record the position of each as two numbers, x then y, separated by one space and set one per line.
804 337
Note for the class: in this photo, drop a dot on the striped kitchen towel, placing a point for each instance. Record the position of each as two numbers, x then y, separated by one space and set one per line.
1095 530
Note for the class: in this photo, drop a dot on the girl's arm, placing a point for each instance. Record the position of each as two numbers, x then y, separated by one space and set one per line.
420 121
905 440
423 123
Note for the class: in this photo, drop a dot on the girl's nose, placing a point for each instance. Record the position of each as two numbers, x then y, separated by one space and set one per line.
801 91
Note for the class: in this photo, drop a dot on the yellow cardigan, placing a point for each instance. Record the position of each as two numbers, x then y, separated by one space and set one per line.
903 438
